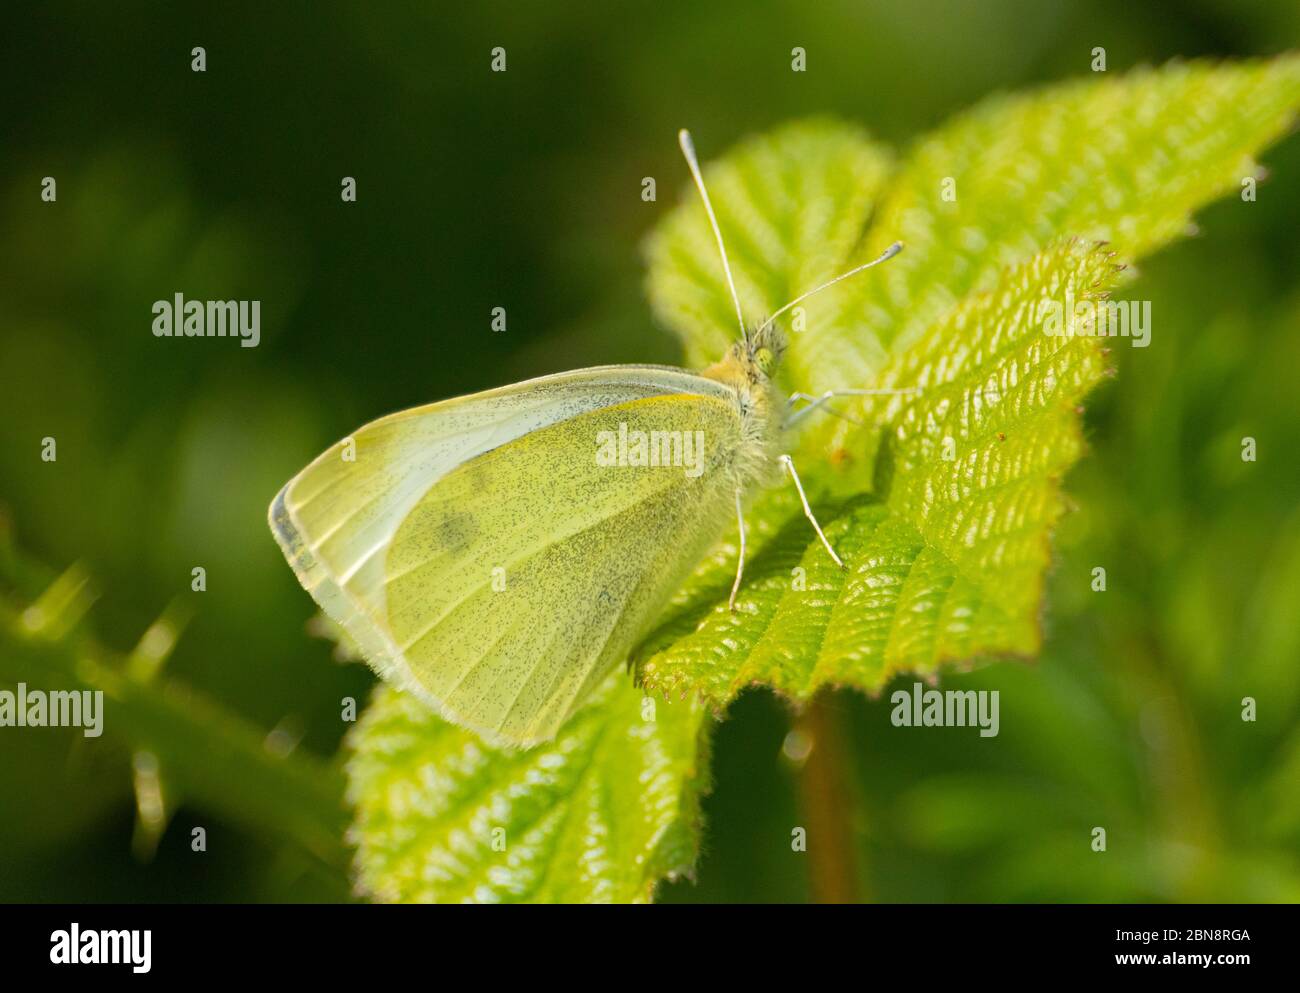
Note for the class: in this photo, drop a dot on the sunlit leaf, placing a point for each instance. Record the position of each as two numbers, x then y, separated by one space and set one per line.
941 503
944 563
601 814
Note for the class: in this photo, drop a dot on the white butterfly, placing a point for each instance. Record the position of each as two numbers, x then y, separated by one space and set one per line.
483 555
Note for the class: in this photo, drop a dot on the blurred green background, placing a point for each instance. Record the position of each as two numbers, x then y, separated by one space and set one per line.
522 190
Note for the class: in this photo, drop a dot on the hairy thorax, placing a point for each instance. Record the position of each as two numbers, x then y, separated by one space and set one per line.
747 370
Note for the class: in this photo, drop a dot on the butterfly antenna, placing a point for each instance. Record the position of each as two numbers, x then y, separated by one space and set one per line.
885 256
688 149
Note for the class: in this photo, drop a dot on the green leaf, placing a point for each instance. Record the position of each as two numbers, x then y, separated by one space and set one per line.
946 558
1125 159
945 562
601 814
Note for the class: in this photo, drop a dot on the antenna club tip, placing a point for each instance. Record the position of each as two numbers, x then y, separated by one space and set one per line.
893 249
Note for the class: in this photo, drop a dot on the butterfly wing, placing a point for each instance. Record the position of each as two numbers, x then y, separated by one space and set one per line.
480 555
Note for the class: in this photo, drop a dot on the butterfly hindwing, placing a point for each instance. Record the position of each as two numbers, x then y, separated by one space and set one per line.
480 553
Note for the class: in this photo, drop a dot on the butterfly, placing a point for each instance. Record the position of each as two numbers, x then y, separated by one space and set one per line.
498 554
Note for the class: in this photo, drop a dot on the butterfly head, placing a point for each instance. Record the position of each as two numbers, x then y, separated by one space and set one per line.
751 362
762 349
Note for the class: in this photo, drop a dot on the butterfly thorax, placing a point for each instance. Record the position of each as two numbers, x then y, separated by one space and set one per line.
747 369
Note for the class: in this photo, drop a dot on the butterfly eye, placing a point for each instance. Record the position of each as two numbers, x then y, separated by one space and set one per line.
765 360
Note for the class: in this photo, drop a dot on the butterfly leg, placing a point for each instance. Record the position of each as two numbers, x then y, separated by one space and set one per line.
789 464
740 561
816 403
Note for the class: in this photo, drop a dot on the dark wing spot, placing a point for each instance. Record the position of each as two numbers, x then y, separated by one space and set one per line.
455 530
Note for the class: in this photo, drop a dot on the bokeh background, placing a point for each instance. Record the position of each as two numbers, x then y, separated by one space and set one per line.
522 190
